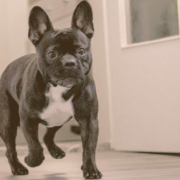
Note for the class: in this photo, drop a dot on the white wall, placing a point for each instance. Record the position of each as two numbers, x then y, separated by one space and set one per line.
13 25
4 55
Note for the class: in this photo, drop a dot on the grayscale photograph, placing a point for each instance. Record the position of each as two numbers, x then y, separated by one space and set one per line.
89 89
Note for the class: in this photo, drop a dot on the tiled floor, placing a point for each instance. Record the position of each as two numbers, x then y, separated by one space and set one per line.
113 165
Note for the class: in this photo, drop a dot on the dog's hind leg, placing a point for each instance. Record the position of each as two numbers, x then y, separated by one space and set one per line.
9 120
53 149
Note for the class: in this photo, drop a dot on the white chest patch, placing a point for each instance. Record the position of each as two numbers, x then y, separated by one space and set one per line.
58 110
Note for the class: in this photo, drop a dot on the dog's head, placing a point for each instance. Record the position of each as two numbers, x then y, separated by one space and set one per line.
64 55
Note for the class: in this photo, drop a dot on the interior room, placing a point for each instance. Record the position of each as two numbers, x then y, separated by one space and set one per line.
136 69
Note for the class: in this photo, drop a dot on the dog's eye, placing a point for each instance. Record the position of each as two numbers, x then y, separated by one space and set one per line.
81 51
52 54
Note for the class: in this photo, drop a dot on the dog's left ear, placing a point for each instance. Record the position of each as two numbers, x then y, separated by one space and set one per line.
83 19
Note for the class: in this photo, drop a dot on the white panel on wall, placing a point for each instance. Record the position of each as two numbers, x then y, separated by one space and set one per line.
145 81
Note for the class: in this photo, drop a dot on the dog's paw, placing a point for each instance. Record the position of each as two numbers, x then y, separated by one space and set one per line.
19 169
91 172
57 152
34 160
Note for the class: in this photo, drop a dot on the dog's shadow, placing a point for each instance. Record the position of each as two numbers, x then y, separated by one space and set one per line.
54 176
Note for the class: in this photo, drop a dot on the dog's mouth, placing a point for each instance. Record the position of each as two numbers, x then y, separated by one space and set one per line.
68 82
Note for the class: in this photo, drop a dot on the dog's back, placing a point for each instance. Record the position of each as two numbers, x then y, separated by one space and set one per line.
12 77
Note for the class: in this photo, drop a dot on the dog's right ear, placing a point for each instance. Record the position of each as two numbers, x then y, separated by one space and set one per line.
39 24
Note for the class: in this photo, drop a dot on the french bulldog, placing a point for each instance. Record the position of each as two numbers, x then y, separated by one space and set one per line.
50 87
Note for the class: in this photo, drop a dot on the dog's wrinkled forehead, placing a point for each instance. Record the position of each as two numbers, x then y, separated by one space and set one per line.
65 36
70 38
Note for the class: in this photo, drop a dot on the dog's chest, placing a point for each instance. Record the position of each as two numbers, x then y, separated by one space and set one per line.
58 110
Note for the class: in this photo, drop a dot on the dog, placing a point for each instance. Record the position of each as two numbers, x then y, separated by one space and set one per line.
50 87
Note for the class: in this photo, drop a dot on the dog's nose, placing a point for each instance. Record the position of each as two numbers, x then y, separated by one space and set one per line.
69 63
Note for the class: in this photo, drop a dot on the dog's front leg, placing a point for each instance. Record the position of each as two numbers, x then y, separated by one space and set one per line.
89 135
30 131
53 149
